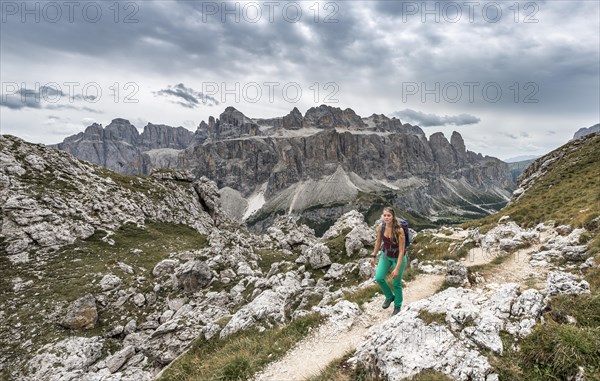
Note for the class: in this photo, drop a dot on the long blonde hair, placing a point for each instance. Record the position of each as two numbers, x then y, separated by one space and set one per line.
396 229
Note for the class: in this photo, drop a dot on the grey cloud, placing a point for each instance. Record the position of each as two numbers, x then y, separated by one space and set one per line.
509 135
45 97
187 97
430 120
71 107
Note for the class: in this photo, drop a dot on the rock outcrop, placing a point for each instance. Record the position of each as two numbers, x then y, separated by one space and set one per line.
49 199
586 131
467 324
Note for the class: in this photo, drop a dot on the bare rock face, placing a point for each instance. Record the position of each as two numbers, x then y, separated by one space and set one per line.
332 117
82 314
232 124
586 131
66 360
281 153
292 121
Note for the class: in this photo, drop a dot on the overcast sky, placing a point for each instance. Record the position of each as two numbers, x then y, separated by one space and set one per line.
514 78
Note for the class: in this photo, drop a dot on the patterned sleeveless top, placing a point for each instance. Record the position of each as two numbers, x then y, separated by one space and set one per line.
390 248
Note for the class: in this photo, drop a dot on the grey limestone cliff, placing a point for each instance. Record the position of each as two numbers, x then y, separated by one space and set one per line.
327 156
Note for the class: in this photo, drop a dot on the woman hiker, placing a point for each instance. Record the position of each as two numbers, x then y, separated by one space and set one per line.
392 249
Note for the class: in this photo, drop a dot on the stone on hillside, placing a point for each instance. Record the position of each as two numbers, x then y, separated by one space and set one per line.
165 267
575 253
125 268
318 256
561 283
406 345
336 271
228 273
209 196
344 314
244 269
130 327
193 275
365 270
433 267
116 331
265 308
509 244
456 274
359 237
348 220
589 263
564 229
139 300
116 361
287 233
81 314
527 307
109 282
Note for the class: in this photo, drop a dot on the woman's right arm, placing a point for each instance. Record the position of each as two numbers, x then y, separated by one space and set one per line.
377 244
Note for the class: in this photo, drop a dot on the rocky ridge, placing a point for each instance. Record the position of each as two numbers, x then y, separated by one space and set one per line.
542 165
297 162
586 131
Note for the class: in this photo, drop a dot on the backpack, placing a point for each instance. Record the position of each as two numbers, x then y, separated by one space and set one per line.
409 234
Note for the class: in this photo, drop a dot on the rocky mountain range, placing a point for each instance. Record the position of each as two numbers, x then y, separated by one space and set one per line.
322 162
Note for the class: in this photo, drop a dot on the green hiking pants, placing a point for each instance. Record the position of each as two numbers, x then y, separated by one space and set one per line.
384 265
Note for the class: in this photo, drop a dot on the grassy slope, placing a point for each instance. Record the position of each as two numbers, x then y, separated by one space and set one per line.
568 193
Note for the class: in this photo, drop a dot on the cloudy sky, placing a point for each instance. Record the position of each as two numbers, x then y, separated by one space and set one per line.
514 78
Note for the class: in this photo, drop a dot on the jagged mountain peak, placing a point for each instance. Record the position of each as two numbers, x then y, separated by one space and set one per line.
325 116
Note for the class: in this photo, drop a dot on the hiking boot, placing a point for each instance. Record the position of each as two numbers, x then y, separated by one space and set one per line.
387 303
396 310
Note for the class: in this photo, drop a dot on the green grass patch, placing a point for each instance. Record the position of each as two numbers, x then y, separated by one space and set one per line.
430 375
238 356
430 317
362 295
552 352
268 257
585 308
337 248
410 273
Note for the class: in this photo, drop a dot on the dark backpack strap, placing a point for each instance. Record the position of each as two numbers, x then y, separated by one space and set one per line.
381 233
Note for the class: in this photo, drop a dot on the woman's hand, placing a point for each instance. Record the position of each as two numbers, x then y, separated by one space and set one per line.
395 273
372 262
